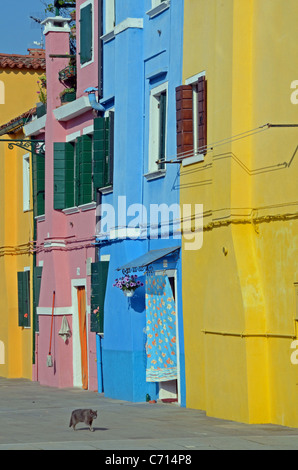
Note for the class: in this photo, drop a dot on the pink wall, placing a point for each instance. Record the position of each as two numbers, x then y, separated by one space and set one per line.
62 264
87 75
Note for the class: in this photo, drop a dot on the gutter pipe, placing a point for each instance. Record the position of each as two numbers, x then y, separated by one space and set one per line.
93 101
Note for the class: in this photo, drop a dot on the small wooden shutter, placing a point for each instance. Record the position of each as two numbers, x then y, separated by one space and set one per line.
24 298
83 172
103 143
37 273
162 128
63 175
86 34
99 276
38 184
202 114
110 171
184 118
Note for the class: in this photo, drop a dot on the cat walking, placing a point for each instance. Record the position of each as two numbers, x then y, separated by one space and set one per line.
82 416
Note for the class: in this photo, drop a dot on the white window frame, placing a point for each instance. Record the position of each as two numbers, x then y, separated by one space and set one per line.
93 26
154 128
110 17
158 6
26 182
2 92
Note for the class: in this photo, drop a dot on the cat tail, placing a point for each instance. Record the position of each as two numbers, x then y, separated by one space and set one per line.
70 422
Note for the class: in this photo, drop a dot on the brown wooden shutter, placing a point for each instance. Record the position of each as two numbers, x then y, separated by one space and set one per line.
184 118
202 114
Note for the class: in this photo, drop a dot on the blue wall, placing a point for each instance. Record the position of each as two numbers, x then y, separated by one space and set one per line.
136 60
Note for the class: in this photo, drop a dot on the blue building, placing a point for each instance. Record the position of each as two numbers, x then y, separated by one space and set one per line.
140 347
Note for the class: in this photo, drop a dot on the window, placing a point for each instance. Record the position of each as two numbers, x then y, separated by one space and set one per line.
83 167
99 276
86 33
109 15
103 167
158 6
158 128
83 190
26 183
191 115
24 298
155 3
63 175
38 183
2 92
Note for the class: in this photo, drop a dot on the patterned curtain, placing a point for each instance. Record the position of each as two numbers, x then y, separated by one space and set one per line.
161 330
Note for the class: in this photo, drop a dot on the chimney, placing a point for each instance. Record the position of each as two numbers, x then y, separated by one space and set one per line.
56 45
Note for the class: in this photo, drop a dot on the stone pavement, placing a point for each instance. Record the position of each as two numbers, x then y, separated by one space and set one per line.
34 417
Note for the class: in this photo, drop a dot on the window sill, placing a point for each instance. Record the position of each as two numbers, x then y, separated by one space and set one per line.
195 159
82 208
40 218
108 36
153 175
87 207
158 9
106 190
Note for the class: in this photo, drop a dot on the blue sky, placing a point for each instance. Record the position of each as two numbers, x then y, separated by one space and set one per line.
17 31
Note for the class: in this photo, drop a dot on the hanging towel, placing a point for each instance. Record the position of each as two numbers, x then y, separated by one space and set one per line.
65 329
161 330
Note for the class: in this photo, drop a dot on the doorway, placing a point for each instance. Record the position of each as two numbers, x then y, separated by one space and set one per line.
81 293
162 345
80 337
168 391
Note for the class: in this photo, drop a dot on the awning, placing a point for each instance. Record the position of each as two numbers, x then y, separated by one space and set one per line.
149 258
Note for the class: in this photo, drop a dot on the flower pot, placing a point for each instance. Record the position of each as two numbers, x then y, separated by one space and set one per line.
41 109
128 293
68 97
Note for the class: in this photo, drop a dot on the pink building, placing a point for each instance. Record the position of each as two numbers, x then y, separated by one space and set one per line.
65 205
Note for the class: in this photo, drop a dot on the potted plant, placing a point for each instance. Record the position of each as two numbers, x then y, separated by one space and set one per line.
68 95
128 284
41 107
73 31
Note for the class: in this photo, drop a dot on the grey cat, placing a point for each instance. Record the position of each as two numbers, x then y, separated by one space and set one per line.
82 416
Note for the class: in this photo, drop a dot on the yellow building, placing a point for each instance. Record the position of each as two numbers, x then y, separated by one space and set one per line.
240 288
18 89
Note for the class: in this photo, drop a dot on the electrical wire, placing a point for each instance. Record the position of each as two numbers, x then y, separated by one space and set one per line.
177 158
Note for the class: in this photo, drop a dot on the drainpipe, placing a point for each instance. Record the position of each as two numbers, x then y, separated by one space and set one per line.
93 101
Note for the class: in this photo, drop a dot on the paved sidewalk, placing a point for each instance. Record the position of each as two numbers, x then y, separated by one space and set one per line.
34 417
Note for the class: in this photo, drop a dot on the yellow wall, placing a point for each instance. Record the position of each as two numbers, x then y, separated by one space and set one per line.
239 314
20 92
16 227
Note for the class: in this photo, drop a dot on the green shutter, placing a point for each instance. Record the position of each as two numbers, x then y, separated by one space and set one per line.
38 184
83 173
103 141
110 163
99 276
24 298
63 175
37 273
86 34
